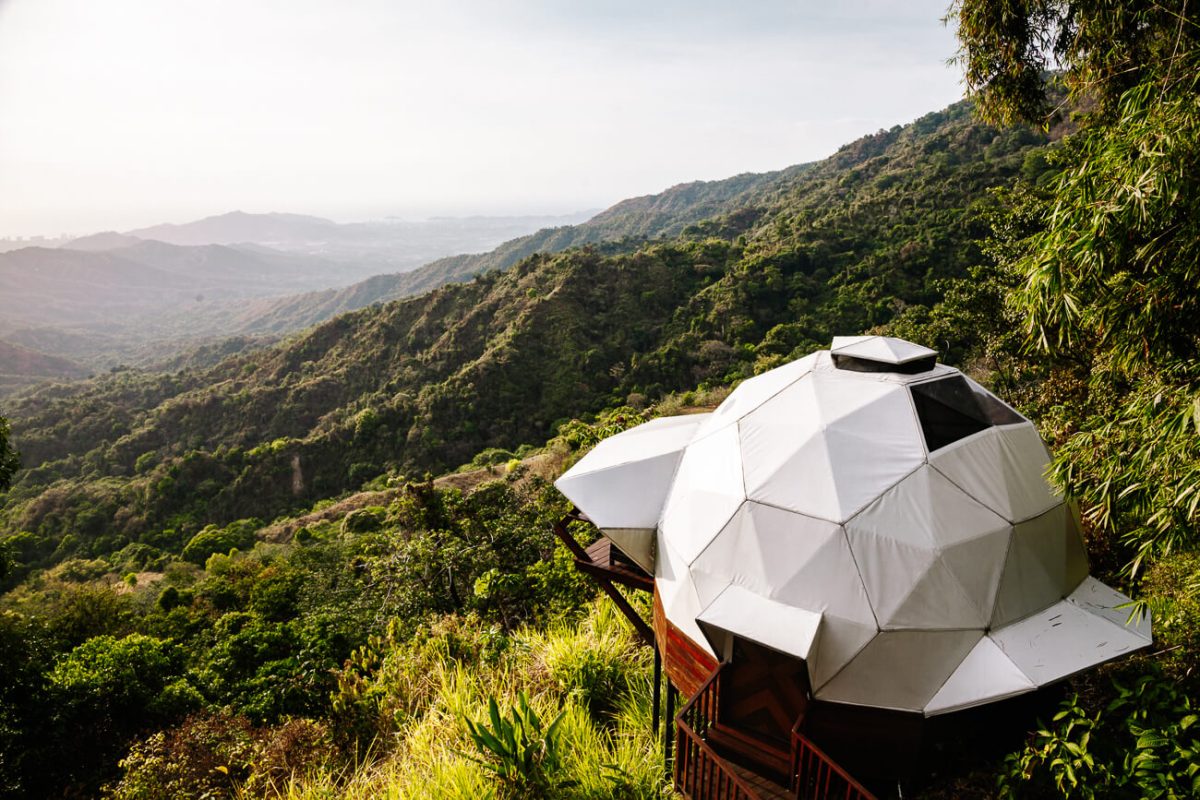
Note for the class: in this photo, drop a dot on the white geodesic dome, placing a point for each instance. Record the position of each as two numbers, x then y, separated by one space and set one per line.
884 518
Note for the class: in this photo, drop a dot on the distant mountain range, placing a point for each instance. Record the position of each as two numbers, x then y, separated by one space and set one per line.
392 245
20 367
622 227
152 294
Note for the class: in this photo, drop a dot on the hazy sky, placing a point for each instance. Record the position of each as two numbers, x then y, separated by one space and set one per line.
120 113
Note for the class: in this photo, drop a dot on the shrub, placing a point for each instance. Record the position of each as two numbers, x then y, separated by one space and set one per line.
364 520
213 540
219 754
1145 743
517 748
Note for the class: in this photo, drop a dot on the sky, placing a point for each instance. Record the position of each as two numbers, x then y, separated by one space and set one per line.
124 113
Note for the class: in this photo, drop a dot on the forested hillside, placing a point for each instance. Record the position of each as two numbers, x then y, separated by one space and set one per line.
244 580
424 384
623 227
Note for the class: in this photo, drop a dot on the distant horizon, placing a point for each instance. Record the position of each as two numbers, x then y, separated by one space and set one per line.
346 221
132 113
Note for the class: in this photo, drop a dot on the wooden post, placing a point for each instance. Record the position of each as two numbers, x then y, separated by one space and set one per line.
657 690
669 733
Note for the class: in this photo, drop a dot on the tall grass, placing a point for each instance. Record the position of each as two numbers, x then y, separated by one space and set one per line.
592 671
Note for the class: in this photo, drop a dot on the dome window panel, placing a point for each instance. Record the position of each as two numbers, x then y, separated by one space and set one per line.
951 409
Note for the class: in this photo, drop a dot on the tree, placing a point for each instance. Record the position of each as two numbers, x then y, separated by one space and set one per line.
9 459
1110 277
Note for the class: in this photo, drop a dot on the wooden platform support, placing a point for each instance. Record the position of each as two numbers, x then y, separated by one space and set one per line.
609 567
656 712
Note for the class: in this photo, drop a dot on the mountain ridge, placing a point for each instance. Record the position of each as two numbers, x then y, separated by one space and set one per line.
426 382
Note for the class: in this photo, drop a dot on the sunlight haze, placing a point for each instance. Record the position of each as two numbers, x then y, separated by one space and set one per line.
133 112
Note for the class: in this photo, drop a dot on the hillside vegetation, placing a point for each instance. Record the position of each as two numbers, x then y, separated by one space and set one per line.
497 362
242 579
621 228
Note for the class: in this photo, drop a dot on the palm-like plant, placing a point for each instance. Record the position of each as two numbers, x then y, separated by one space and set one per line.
517 747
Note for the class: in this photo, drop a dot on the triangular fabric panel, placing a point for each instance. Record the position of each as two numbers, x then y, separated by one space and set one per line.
1062 640
788 557
838 642
927 510
753 392
708 489
890 571
637 543
977 566
674 586
866 460
986 674
751 616
826 447
900 542
901 670
1035 572
1003 468
937 600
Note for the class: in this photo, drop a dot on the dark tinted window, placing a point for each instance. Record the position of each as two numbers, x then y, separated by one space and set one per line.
951 409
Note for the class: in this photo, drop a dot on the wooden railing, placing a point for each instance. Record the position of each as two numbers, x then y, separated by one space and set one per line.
699 772
815 776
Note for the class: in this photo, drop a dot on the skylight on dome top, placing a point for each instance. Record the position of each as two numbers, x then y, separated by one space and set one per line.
881 354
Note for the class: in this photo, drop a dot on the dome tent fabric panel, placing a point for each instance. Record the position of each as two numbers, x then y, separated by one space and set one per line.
707 491
900 670
675 588
985 675
636 466
1003 468
753 392
839 641
901 542
1038 570
979 564
787 557
751 616
802 562
825 446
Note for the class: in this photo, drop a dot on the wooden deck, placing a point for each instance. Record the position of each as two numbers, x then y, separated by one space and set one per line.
615 565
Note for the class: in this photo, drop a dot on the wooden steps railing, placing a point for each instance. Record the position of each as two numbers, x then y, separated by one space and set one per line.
702 774
816 776
699 772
